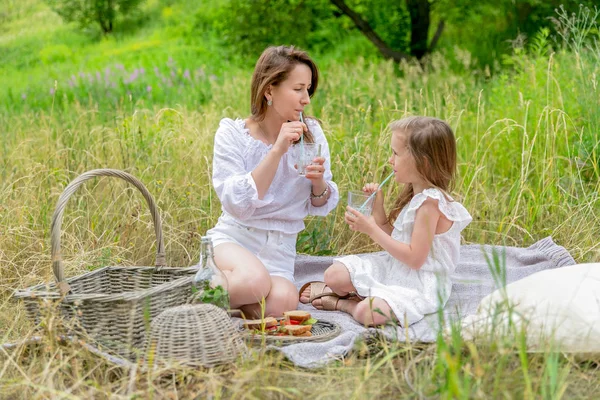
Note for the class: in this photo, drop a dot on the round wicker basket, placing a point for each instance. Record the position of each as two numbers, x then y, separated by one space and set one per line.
194 335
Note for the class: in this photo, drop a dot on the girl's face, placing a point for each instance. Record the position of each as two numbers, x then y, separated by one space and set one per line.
291 96
402 161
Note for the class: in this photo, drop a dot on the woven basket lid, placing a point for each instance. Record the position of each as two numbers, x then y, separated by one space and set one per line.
196 335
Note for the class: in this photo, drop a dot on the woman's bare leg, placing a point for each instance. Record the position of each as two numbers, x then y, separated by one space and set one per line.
282 297
248 279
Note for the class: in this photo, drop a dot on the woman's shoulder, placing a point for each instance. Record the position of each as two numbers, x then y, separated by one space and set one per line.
228 125
312 121
314 125
231 130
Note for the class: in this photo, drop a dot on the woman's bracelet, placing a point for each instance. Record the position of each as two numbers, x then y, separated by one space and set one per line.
325 192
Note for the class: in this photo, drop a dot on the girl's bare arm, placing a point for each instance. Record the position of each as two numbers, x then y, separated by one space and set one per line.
378 209
415 253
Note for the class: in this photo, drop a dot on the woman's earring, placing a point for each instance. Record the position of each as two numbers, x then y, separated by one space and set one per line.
270 102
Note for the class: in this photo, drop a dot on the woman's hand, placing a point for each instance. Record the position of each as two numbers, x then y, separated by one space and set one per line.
359 222
290 132
315 171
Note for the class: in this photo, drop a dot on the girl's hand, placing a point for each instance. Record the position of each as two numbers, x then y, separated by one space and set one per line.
359 222
290 132
315 171
378 209
371 188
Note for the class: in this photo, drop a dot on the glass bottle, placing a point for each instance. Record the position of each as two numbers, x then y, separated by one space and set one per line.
210 282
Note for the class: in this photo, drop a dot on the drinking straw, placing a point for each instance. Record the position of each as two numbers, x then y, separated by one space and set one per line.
374 193
301 140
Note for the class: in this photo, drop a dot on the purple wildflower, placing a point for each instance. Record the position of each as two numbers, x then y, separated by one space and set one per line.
134 75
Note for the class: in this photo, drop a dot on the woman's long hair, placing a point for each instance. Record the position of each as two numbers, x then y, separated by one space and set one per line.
272 68
432 144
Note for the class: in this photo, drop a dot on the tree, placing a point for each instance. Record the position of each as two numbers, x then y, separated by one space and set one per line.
397 29
87 12
419 11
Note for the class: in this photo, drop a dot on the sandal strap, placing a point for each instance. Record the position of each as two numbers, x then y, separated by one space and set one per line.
325 294
329 303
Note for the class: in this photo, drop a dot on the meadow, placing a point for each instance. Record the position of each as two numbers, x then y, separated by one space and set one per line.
529 167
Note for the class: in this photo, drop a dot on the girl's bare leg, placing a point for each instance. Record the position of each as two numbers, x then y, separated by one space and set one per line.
370 311
337 279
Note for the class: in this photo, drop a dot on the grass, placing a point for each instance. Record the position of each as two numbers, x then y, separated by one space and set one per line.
528 154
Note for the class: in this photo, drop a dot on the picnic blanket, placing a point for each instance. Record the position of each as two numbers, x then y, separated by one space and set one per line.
472 281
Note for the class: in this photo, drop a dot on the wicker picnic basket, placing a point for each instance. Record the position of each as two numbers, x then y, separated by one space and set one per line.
114 305
193 335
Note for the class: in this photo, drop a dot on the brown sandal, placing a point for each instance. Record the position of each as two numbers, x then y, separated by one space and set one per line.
329 300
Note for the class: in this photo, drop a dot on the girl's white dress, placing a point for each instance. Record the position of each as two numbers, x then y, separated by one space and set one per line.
411 293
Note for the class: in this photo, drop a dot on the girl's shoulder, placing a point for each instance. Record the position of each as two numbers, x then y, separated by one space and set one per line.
449 207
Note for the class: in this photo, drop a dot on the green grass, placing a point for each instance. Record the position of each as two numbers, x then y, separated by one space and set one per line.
528 168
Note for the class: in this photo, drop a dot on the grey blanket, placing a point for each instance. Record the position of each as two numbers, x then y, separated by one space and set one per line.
472 281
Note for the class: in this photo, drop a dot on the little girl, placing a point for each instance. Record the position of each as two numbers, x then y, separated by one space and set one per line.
421 235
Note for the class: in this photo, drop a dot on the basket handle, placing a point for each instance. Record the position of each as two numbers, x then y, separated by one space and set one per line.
57 264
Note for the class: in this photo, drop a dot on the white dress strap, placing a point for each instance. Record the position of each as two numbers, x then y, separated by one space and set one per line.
451 209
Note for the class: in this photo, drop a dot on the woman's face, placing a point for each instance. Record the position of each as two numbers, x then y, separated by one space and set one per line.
291 96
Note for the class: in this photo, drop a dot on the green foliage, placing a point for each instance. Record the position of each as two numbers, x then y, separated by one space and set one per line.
578 30
217 295
315 25
87 12
55 53
389 19
250 26
316 239
490 29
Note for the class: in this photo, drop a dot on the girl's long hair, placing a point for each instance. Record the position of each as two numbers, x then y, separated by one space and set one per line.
432 144
272 68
